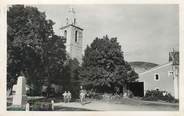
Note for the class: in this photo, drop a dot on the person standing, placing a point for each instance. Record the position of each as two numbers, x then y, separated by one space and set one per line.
65 96
82 96
69 96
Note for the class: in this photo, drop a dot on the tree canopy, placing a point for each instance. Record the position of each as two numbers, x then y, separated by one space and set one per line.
33 49
70 76
104 67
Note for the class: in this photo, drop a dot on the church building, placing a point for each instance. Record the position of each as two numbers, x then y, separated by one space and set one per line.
73 35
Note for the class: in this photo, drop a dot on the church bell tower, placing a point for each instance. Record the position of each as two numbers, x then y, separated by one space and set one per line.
73 35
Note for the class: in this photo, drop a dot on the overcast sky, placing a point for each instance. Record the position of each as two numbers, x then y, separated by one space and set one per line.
145 32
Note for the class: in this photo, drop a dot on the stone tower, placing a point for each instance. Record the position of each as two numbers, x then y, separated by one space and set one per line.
73 35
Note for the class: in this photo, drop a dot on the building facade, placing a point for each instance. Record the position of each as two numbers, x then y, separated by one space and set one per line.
74 37
164 77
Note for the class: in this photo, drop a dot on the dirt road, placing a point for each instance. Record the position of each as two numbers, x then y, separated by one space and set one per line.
104 106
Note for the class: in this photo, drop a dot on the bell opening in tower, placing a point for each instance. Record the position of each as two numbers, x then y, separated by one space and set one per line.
76 36
65 34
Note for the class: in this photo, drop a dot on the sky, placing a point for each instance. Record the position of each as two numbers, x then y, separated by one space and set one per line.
146 32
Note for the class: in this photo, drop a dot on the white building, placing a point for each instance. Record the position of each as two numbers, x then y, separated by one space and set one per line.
163 77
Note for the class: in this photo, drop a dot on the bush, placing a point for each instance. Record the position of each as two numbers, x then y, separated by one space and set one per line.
130 94
97 96
34 92
115 97
106 96
155 95
94 95
41 106
16 108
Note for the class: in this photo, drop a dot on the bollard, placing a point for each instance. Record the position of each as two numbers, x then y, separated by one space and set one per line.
27 107
52 102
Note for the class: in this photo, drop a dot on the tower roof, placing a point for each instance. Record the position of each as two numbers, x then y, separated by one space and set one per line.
71 25
71 18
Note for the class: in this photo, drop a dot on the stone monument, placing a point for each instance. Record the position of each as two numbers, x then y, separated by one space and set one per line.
19 92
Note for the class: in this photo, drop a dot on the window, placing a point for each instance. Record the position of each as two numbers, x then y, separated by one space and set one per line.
76 33
156 77
65 33
156 88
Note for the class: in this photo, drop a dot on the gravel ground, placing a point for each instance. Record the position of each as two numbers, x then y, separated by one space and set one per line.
126 105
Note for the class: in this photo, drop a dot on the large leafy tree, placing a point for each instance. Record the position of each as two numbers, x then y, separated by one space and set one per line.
104 67
33 50
53 59
70 76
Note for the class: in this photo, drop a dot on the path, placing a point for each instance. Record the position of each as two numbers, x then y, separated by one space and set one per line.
104 106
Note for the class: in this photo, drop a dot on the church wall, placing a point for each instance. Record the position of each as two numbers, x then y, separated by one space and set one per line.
68 39
76 47
176 81
73 48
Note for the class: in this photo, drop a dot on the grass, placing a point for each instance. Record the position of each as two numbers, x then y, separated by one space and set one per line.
15 108
58 108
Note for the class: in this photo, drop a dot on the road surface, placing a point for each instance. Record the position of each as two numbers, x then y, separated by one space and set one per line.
105 106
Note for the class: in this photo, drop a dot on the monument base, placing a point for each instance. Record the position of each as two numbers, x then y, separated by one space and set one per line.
19 100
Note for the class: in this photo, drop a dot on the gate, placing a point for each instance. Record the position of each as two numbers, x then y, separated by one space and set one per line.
137 88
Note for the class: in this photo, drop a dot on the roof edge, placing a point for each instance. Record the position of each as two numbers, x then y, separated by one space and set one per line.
71 25
157 67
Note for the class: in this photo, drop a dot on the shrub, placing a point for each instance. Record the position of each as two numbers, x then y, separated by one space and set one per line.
106 96
155 95
97 96
115 97
94 95
16 108
130 94
40 106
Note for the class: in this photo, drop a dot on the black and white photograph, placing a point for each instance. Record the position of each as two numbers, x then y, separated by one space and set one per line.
92 57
